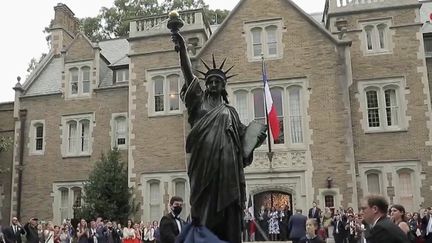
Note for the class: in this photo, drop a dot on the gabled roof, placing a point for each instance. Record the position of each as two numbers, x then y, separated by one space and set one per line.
93 45
297 8
49 80
38 70
115 51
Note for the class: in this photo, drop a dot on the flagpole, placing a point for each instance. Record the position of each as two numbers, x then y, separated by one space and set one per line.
269 153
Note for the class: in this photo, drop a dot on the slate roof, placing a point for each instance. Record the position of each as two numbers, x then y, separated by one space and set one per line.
49 80
115 51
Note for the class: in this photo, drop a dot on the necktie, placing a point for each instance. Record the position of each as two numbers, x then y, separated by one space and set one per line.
15 229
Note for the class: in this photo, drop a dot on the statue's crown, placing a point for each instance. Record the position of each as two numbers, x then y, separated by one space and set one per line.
219 72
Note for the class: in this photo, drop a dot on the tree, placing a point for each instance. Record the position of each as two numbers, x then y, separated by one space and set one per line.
216 16
5 143
106 193
34 63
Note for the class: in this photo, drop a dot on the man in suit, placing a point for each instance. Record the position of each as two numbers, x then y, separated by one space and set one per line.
339 229
297 226
13 233
31 231
427 225
171 224
315 213
381 229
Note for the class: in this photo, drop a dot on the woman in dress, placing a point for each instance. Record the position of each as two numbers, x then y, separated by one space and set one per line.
82 232
64 234
129 232
49 233
274 224
399 218
137 231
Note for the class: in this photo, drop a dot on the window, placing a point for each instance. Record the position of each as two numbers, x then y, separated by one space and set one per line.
164 96
376 37
287 99
121 75
264 37
428 46
77 135
383 105
329 201
119 128
155 199
78 81
36 137
67 199
180 190
373 182
406 189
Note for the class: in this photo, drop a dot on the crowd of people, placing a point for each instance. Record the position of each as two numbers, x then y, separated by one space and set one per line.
374 222
94 231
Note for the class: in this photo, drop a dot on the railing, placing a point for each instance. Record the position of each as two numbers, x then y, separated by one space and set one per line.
354 5
343 3
157 24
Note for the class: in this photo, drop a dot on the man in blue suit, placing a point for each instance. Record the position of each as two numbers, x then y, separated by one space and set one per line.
297 226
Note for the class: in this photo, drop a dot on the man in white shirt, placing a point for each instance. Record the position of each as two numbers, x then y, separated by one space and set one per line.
427 225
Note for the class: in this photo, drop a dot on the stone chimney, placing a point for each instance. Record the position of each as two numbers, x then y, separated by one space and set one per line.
64 27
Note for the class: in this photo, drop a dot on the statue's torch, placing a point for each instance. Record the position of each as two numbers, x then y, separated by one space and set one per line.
174 24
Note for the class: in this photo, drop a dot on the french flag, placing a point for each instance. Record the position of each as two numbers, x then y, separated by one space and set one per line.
273 120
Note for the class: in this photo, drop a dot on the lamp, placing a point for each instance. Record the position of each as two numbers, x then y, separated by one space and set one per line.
329 182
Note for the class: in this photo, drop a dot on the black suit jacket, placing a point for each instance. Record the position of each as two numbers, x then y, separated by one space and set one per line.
341 228
17 235
316 215
31 234
168 228
386 231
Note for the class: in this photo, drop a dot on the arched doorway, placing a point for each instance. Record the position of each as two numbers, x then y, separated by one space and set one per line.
269 199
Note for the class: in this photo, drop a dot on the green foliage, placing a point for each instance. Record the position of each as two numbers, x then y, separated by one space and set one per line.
5 144
34 63
106 193
216 16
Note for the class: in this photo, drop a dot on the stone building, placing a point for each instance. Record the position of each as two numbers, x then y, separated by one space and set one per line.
350 86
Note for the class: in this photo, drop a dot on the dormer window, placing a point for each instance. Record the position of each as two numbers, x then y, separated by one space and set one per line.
78 80
376 37
121 75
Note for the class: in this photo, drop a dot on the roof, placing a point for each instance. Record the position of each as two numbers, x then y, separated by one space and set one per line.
49 80
317 17
115 51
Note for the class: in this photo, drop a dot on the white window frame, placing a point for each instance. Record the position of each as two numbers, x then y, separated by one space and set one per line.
285 85
156 203
263 24
399 191
379 174
32 137
375 37
80 66
113 134
381 85
151 91
123 73
185 211
65 134
56 194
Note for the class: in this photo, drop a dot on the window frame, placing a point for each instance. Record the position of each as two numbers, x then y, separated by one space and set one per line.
80 67
78 119
264 26
113 133
165 74
375 36
285 86
124 72
71 188
378 173
381 86
157 203
33 137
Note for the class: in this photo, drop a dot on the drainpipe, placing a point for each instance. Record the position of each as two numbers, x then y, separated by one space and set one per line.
20 167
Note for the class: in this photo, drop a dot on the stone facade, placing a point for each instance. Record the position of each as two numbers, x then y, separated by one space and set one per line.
353 96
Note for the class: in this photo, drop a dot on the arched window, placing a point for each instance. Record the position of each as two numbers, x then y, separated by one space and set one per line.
405 189
84 135
72 136
74 77
121 132
85 79
180 190
259 112
158 83
373 108
64 203
271 32
155 199
256 41
391 106
373 182
382 28
276 94
241 97
39 134
295 115
369 37
174 98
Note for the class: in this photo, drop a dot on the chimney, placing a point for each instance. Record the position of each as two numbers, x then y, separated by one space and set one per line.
64 27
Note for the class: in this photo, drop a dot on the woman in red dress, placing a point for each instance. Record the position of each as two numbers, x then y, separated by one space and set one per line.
129 233
137 230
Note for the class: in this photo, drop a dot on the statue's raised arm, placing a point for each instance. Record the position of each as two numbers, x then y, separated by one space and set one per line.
174 24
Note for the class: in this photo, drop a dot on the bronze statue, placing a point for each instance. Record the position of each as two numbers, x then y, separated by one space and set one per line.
219 144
